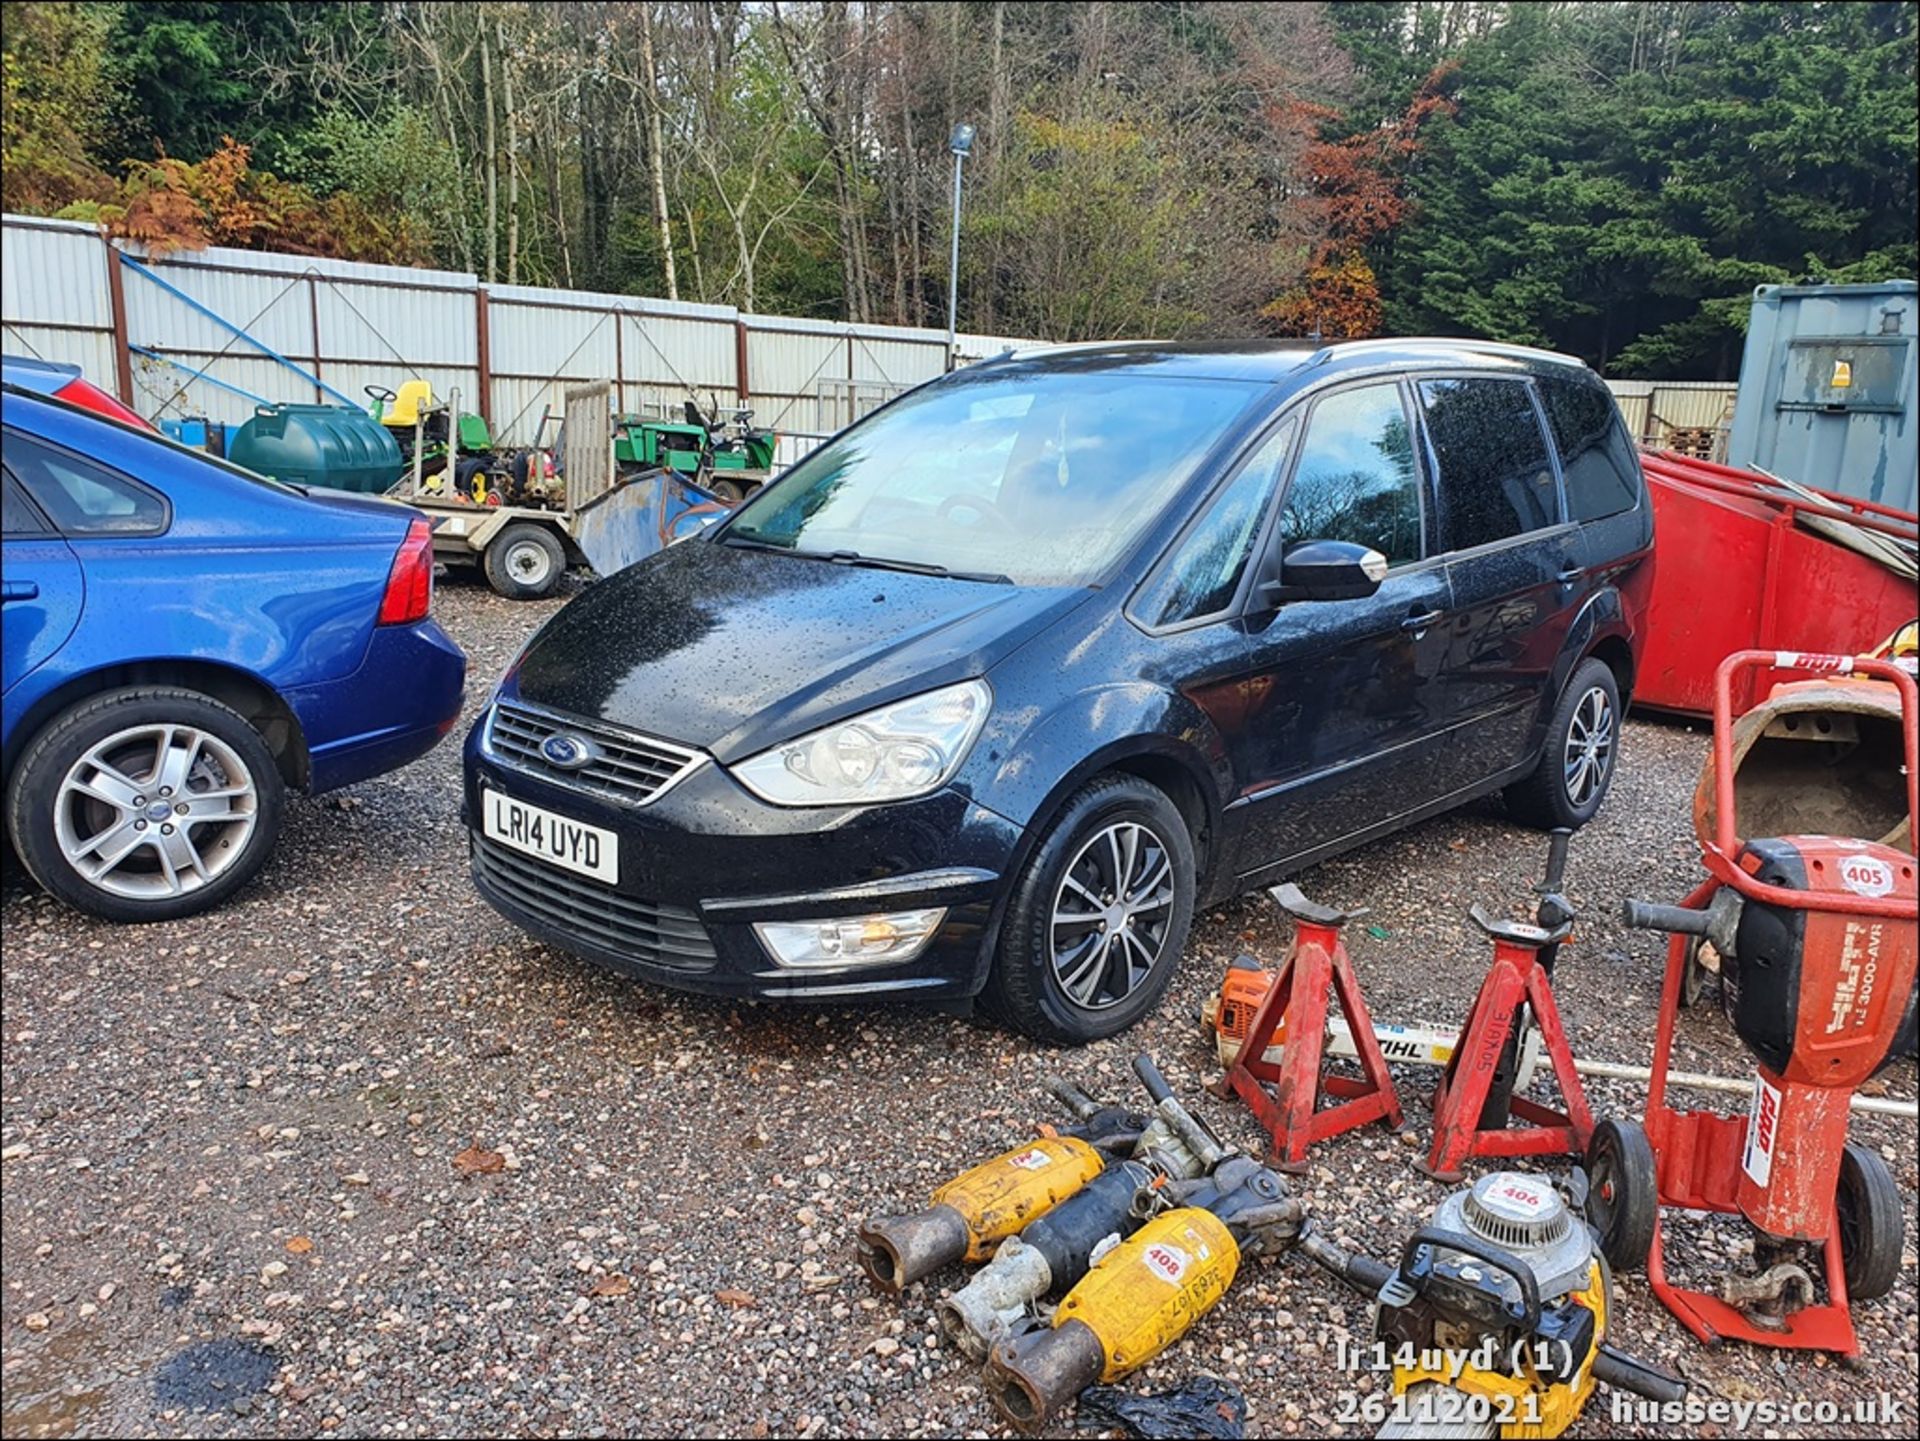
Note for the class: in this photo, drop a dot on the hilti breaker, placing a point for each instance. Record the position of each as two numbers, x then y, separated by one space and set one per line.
978 1209
1053 1253
1144 1294
1817 945
1497 1320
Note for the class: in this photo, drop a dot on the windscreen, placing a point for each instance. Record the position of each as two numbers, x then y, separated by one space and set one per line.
1039 477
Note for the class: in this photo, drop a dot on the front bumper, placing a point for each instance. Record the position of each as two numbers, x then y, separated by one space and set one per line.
700 864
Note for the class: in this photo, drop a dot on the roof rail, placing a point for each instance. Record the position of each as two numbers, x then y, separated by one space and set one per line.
1441 342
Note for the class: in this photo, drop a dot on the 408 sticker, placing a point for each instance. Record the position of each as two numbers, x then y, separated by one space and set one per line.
1169 1263
1032 1159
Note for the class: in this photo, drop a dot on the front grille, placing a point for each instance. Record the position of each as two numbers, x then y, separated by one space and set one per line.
638 930
625 767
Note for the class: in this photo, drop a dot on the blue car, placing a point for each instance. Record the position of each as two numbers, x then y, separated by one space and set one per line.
185 642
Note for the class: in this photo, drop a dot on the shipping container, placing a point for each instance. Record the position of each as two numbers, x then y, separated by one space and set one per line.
1829 392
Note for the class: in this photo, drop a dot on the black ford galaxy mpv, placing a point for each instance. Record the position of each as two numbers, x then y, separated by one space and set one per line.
988 693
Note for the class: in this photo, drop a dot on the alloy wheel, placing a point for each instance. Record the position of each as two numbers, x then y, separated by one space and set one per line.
155 811
1588 754
1111 915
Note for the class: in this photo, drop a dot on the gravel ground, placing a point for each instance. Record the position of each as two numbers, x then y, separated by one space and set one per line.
233 1206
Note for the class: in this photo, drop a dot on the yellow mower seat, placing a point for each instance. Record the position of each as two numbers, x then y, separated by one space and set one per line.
414 397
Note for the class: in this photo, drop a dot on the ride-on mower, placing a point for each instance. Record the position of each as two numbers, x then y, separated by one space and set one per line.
727 459
1816 942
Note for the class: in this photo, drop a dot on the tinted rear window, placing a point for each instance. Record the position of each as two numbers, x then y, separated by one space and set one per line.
1596 457
1496 480
83 497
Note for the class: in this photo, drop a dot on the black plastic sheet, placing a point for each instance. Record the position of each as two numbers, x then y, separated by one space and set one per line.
1203 1407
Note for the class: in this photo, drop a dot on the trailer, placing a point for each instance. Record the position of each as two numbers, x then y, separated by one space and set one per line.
592 516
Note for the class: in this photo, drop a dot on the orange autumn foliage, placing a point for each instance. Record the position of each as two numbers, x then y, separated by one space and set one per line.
1359 189
166 205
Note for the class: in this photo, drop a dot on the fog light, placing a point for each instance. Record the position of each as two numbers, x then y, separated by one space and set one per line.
850 940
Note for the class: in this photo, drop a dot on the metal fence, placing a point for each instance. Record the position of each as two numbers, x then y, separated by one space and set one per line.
211 334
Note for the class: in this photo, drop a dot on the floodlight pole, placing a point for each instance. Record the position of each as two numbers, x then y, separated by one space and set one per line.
960 143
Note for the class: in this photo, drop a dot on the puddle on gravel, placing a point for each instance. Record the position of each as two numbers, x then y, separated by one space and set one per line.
212 1375
60 1390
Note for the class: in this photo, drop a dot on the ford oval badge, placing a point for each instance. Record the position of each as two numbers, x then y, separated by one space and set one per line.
568 752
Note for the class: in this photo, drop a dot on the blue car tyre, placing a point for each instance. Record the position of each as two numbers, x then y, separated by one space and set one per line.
145 804
1100 916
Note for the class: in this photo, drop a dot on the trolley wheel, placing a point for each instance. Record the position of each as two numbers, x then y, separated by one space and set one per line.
1622 1192
1693 980
1866 1208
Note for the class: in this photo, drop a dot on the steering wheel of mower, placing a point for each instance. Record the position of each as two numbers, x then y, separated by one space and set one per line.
380 393
980 505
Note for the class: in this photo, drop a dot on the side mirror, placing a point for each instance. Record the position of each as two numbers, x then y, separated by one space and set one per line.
1326 570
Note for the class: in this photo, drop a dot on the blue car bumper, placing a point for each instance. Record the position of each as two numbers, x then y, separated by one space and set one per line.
410 685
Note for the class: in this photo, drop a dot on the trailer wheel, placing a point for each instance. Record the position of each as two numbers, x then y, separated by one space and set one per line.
525 561
1866 1208
1622 1193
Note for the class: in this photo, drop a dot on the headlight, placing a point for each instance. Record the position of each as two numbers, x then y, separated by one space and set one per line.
902 750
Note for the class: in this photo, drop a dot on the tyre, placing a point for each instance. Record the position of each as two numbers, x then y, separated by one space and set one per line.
1693 980
1098 917
1580 756
1622 1193
525 561
1866 1208
145 804
731 491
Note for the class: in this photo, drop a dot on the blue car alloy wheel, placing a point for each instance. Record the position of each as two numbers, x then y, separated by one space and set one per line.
145 804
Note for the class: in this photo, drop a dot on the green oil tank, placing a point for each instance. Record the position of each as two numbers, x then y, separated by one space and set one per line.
333 446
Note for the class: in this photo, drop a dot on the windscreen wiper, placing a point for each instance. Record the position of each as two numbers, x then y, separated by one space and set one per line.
747 542
912 567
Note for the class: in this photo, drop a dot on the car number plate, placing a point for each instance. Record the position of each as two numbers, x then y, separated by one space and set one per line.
570 844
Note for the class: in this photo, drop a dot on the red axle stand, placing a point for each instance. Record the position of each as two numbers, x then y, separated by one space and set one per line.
1296 1009
1516 978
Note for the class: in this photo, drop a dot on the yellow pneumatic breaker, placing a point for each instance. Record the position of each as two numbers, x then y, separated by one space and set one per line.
1144 1294
980 1208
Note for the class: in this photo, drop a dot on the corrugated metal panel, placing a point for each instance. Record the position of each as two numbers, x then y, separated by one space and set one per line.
517 405
401 330
544 341
1830 389
272 308
676 354
91 350
902 362
783 367
1654 409
1707 407
54 275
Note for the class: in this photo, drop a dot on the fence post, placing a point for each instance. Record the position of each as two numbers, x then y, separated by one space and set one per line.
313 324
117 298
483 350
741 386
620 361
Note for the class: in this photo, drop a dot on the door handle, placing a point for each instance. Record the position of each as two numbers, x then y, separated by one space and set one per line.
1571 574
18 590
1422 621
